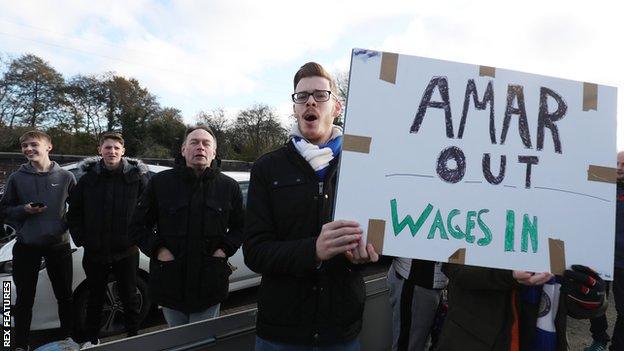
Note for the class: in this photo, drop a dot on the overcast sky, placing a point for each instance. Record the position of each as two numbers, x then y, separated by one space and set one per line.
201 55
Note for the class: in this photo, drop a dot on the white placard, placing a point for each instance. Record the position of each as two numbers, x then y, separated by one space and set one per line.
433 171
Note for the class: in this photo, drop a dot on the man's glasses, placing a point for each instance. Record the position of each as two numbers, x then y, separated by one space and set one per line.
318 95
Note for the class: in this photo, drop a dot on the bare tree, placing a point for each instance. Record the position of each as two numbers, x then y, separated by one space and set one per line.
86 99
4 106
342 84
256 130
217 121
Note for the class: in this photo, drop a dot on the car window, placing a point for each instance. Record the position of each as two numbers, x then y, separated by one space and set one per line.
74 171
244 186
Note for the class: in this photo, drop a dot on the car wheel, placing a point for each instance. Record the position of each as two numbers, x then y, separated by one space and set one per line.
112 322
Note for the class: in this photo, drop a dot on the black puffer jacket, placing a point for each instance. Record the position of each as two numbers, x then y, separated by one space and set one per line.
101 207
192 217
298 302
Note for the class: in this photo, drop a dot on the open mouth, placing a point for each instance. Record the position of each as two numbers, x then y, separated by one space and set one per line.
310 117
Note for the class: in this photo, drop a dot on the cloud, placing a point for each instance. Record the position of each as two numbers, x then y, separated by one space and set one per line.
196 53
186 46
562 39
202 54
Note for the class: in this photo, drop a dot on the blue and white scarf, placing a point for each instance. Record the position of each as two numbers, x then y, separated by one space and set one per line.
318 156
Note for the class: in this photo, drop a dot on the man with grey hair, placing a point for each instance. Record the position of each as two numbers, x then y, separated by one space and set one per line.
189 221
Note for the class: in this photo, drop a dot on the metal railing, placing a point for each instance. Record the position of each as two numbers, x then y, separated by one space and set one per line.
237 331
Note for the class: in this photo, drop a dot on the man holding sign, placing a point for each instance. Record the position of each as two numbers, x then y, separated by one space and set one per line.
310 296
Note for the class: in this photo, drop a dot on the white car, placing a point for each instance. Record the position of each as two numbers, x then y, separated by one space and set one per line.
45 308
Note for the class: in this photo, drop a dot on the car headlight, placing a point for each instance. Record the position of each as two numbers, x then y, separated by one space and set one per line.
6 267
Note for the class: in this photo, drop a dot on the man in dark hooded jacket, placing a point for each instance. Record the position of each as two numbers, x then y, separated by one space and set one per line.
100 210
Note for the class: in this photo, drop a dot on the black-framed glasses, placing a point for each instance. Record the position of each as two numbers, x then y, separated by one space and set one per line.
318 95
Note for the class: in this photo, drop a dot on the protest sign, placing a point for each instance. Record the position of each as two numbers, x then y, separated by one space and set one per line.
479 165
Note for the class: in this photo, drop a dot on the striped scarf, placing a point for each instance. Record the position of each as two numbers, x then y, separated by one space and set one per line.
318 156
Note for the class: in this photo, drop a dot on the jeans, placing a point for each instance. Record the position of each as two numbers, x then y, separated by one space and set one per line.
26 266
265 345
175 317
97 273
